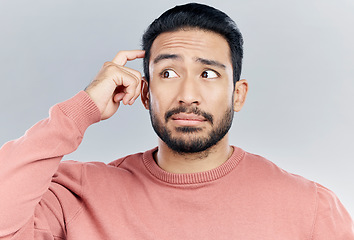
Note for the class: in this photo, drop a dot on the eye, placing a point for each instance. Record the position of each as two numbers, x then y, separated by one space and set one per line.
168 74
209 74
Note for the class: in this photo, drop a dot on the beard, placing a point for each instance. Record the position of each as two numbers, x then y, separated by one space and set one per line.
193 144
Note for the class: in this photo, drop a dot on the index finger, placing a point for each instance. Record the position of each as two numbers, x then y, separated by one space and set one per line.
123 56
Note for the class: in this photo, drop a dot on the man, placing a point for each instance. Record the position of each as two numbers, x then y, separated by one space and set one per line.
194 185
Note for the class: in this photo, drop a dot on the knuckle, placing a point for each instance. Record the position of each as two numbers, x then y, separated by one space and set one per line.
135 82
122 52
107 64
139 76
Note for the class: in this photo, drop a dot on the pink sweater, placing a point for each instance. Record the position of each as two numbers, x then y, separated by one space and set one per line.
247 197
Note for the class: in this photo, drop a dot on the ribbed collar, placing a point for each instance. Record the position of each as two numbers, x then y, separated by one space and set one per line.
192 178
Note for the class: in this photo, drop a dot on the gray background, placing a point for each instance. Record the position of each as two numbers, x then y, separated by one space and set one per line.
298 61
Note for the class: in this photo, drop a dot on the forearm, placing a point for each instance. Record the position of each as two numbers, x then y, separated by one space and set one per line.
28 163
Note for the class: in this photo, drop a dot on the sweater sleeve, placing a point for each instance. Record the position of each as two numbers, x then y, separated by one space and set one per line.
332 221
28 163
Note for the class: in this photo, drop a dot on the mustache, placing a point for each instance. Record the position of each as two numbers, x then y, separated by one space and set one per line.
194 110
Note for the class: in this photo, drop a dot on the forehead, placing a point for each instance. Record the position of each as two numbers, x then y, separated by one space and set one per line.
192 43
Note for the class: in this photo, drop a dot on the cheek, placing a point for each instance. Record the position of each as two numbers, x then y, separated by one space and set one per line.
218 96
159 100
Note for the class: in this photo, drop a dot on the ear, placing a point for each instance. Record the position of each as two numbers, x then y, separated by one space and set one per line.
241 89
145 95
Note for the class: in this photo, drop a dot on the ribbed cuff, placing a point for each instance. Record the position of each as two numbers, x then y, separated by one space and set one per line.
82 110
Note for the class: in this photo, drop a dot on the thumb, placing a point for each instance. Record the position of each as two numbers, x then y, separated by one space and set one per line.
118 97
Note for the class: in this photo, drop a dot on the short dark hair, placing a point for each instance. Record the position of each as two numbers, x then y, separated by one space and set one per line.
199 16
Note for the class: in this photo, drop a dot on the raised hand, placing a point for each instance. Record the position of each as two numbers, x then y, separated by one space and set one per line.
115 83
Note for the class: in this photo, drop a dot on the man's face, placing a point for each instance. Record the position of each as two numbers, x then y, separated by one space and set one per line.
191 89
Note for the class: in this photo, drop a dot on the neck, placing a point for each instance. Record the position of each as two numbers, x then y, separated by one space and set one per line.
175 162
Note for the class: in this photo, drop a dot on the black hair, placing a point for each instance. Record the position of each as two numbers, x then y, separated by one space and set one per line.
198 16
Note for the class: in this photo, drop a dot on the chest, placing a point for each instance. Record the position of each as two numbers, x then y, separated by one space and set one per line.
208 212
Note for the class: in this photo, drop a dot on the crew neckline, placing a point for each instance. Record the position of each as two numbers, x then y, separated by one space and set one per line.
192 178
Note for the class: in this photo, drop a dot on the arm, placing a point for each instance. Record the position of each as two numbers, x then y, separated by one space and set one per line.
28 163
332 221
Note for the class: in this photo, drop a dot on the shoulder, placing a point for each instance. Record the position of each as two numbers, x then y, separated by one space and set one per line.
267 171
332 220
127 159
286 191
74 179
76 173
75 170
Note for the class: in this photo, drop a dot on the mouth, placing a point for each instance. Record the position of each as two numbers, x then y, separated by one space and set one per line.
188 119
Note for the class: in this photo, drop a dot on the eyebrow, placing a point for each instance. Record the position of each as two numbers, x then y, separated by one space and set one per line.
166 56
179 57
210 62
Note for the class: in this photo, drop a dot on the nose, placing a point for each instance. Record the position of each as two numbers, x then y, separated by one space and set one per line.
189 92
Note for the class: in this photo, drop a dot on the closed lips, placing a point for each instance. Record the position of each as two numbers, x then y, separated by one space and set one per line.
188 117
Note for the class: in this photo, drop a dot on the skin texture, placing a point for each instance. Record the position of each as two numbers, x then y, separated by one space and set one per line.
189 69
